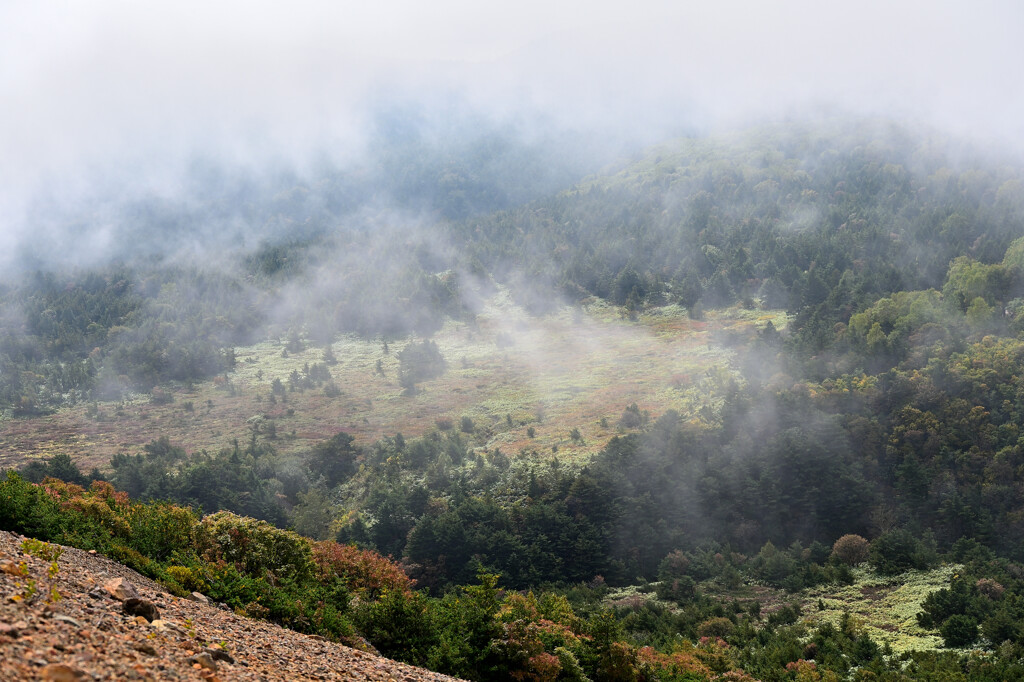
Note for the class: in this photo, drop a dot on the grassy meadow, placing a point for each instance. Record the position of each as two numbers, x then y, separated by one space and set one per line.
508 371
884 607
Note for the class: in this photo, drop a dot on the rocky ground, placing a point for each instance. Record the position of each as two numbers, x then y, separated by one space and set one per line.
91 618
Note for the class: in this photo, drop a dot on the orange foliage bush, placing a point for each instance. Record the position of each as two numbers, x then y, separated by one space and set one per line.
851 549
364 570
682 661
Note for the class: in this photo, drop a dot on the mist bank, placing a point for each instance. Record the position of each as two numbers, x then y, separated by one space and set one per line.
822 218
419 163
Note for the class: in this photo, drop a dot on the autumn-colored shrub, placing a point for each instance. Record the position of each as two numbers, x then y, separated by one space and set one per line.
97 510
363 570
990 588
105 491
522 652
61 490
673 566
851 549
682 663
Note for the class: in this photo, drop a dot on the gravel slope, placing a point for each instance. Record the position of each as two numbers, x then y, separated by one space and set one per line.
87 635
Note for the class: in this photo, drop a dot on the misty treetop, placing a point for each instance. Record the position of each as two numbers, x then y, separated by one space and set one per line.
827 221
786 213
98 333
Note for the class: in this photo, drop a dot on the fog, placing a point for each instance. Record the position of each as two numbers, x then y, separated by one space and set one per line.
117 100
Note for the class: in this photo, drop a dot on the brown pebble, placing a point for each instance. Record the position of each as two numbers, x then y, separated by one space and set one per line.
146 648
10 568
59 672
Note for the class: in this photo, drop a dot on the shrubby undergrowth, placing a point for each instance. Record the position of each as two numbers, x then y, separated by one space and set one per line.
481 631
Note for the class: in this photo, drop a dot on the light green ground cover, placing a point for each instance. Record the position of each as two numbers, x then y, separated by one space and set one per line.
574 368
886 608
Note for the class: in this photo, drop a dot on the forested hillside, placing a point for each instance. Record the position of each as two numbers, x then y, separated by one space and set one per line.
874 431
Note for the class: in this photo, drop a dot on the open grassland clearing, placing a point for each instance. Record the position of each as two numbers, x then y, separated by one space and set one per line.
525 382
885 607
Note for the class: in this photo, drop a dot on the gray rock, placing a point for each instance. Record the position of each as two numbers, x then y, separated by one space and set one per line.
219 655
205 660
66 619
121 589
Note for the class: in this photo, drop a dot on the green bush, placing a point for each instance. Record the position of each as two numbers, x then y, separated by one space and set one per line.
960 598
255 547
184 576
24 508
716 627
673 566
897 551
682 590
159 529
776 567
959 631
419 362
130 558
400 624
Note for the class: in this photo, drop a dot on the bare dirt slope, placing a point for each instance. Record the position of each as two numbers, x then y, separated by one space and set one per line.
86 634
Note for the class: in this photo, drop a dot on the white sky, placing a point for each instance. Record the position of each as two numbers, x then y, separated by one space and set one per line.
103 80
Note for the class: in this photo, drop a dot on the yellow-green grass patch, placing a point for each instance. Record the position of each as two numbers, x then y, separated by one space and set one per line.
567 370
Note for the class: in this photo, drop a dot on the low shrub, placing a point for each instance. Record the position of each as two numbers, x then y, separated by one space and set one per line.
959 631
851 549
363 571
255 547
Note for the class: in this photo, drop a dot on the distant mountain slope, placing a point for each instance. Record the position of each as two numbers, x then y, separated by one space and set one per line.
785 213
